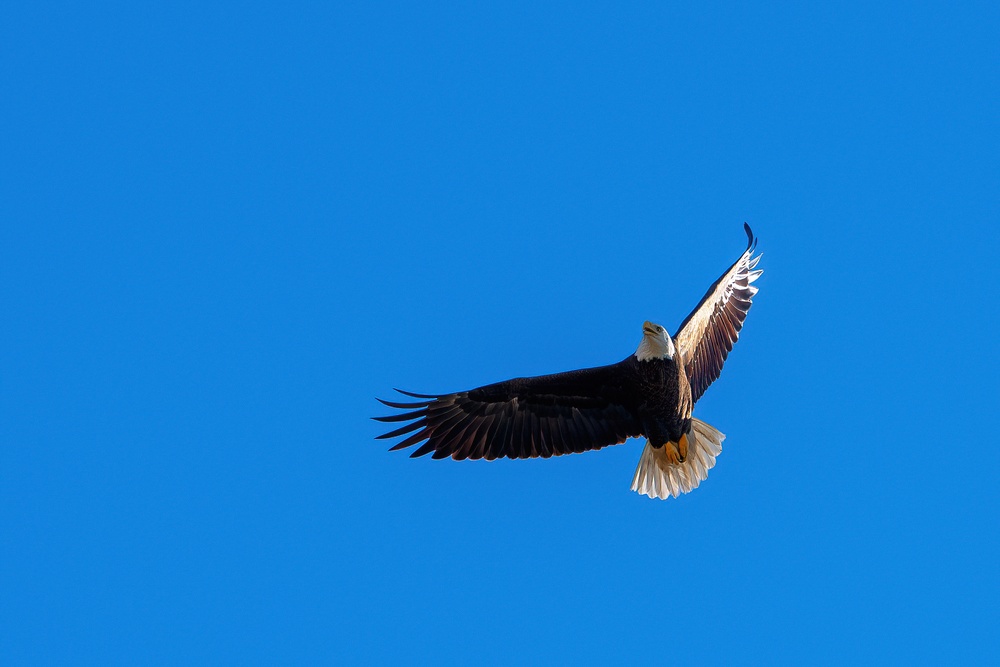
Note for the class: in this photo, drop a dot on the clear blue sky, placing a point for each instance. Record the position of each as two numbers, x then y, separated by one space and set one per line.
225 229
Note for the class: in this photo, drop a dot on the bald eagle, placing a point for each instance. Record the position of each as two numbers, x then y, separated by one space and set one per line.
651 393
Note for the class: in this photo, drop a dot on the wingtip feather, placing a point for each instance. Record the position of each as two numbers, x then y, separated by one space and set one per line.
751 239
410 393
403 406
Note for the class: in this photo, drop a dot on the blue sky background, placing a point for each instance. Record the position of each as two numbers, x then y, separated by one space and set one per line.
225 229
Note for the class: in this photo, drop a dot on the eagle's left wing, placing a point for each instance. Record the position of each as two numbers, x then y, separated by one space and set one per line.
706 336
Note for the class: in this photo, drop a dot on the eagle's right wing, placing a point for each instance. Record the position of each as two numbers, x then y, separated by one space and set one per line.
521 418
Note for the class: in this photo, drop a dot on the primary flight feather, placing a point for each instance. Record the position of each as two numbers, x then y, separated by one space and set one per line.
651 393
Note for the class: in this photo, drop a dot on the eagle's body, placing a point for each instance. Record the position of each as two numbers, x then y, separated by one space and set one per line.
652 387
650 393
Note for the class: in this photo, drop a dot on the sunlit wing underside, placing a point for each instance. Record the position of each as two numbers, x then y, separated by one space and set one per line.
705 338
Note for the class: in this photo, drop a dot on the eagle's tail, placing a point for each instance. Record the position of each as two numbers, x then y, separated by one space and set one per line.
657 477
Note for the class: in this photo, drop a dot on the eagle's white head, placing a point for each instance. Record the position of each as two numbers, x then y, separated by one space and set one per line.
656 343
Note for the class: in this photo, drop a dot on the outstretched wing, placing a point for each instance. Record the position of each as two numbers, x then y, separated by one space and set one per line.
521 418
705 338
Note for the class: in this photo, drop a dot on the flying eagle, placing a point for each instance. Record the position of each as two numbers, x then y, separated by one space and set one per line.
651 393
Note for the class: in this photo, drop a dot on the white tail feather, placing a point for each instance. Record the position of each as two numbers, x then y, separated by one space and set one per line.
657 477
